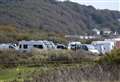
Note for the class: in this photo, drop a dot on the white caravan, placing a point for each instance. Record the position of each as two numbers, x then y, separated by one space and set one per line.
104 46
116 42
27 46
73 45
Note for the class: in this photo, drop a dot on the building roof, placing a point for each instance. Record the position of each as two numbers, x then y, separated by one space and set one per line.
106 29
95 29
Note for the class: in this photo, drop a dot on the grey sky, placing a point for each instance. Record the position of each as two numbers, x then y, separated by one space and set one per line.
101 4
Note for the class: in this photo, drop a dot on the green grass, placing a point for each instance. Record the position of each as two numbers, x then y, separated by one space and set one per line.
22 73
13 73
8 74
26 73
38 63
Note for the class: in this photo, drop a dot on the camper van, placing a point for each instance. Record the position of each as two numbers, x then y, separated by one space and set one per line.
73 45
104 46
27 46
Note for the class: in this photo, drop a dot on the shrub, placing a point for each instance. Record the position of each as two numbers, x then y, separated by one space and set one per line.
7 28
110 58
11 58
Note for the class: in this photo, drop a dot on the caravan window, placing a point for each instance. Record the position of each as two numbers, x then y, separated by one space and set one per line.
38 46
25 46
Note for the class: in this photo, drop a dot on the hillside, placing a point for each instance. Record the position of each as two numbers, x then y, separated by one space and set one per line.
53 16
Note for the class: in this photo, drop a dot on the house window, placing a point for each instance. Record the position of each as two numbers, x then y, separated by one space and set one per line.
38 46
25 46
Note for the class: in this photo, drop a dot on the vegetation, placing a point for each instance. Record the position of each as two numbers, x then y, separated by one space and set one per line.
111 58
51 20
10 33
39 62
54 16
11 58
55 66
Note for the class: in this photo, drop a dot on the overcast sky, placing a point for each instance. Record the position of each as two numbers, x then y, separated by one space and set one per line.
101 4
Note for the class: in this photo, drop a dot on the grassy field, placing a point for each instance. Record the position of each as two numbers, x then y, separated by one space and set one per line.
49 65
13 73
25 73
29 65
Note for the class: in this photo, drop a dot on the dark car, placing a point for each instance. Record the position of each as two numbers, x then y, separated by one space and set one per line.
61 46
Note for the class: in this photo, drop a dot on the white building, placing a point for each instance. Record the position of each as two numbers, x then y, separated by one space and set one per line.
119 19
106 31
80 36
96 31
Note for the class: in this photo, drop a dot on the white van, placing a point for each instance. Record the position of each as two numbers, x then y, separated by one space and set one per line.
104 46
29 45
73 45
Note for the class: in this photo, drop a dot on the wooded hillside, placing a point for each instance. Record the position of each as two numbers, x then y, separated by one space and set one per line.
53 16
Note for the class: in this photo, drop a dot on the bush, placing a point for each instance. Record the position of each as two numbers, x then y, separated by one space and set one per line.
110 58
12 58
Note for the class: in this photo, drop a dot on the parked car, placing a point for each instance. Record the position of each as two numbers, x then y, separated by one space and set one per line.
61 46
74 45
90 48
6 46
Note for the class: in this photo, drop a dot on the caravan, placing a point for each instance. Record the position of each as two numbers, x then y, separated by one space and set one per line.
27 46
103 46
116 42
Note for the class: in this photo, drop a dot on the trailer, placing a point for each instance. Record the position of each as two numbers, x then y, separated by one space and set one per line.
116 42
104 46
